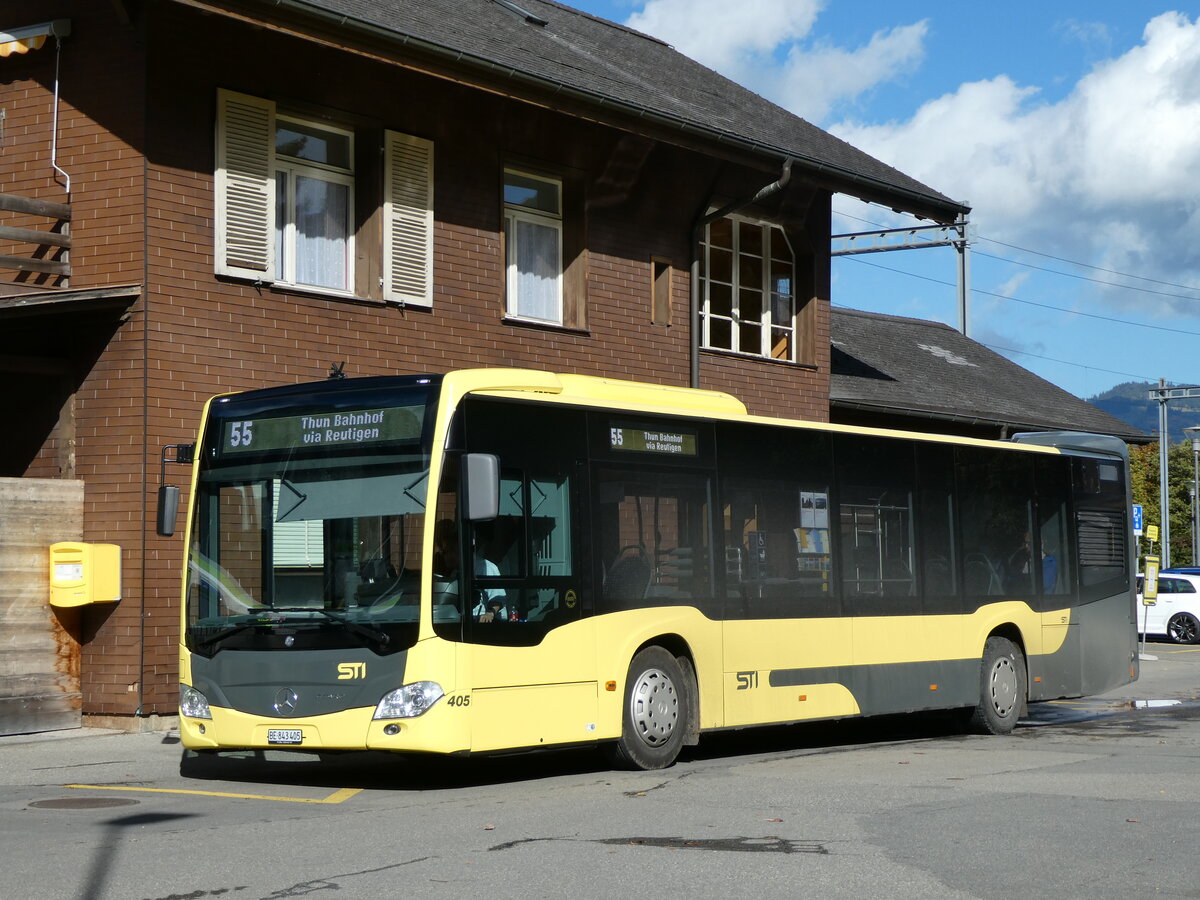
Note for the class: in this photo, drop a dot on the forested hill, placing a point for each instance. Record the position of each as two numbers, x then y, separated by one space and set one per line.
1130 403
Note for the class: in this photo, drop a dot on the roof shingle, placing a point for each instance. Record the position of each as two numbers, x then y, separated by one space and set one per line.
613 64
911 367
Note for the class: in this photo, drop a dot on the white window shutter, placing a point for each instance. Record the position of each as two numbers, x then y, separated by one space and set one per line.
245 186
408 220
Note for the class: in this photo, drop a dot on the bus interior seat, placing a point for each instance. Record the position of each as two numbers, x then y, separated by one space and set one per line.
673 574
376 569
980 577
629 575
376 578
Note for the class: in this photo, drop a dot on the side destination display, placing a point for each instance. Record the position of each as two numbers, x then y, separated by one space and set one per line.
646 440
397 423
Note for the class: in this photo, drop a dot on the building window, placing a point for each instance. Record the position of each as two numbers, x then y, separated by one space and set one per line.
748 278
533 236
285 198
314 186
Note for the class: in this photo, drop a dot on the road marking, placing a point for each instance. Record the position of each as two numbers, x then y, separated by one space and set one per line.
336 797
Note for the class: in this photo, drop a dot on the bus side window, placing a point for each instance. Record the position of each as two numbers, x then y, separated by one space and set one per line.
995 502
653 537
1101 524
875 515
1054 537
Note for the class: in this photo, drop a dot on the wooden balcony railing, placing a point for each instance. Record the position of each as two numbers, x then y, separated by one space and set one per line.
61 239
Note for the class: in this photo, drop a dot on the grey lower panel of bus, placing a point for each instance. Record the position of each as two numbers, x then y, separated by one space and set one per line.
899 687
322 681
1098 648
1097 652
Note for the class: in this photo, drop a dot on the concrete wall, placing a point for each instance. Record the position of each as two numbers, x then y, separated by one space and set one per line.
39 645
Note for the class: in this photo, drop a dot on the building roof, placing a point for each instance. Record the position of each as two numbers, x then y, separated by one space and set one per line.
547 45
894 366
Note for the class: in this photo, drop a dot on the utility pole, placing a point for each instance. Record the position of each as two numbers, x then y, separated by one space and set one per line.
1164 395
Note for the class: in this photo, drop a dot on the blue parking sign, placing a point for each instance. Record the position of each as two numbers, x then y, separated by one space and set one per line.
1137 519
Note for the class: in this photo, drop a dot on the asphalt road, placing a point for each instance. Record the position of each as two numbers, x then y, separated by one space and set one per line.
1094 798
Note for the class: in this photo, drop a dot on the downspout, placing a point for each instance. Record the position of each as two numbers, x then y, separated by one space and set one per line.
60 28
701 223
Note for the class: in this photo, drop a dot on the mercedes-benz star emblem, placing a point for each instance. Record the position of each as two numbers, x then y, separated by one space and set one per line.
285 701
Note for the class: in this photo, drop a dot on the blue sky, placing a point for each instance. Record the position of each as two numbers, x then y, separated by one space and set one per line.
1072 128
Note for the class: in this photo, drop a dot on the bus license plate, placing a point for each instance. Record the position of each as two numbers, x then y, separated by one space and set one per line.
284 735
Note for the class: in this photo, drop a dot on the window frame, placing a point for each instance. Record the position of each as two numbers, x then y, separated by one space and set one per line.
514 214
286 256
765 323
395 238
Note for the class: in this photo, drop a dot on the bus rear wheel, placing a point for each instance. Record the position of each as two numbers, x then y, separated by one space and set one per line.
1001 688
655 718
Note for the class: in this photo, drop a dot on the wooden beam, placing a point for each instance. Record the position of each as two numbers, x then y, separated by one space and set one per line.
45 266
13 203
32 236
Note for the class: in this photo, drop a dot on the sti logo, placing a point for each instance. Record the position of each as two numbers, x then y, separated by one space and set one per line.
348 671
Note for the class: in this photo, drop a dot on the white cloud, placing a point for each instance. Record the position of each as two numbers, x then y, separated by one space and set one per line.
761 44
725 35
1110 174
1012 286
813 81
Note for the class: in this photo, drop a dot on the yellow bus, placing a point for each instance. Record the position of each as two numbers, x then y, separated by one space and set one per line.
498 560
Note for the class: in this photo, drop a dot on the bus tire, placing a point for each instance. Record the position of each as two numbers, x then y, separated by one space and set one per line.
1183 628
655 718
1001 688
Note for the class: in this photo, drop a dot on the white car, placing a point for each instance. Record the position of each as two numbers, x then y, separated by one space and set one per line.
1176 611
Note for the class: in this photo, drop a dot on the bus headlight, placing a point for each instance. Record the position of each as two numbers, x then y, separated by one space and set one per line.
193 704
409 701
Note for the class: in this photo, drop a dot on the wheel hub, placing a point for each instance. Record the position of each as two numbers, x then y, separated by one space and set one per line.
654 707
1004 683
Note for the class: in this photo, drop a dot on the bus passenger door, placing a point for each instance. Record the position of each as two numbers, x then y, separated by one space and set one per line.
529 660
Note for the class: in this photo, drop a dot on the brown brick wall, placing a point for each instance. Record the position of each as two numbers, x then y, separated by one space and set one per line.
99 139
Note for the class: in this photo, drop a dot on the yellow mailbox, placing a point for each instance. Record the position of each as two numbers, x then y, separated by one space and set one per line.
84 573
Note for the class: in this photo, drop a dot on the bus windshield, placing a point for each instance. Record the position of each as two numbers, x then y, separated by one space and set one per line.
307 531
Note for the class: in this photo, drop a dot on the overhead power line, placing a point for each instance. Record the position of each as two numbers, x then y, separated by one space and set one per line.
1124 287
1074 262
1070 312
1195 295
1064 362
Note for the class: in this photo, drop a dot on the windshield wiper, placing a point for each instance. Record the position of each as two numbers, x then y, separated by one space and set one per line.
226 632
382 638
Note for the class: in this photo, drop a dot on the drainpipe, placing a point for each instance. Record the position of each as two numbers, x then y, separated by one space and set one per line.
60 28
701 223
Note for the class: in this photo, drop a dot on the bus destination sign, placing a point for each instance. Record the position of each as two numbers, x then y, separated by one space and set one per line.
332 429
644 440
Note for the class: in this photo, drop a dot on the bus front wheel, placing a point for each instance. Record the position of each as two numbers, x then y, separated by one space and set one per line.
655 718
1001 688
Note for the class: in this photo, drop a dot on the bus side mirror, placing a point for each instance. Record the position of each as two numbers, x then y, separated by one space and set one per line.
168 509
481 486
168 494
